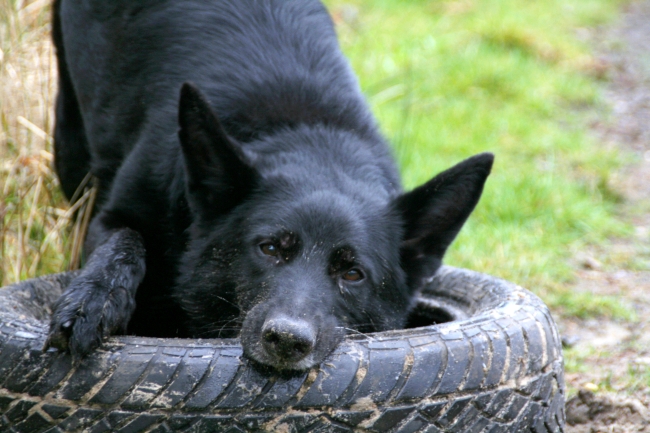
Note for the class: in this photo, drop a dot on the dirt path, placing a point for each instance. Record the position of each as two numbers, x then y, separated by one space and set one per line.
613 380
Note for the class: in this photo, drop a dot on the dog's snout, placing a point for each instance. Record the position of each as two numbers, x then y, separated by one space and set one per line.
288 339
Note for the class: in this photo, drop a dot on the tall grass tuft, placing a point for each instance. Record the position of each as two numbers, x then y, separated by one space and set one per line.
39 233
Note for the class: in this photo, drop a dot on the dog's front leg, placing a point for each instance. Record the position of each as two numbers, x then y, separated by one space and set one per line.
101 300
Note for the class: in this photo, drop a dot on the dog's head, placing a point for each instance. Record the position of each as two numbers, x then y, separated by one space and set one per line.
294 267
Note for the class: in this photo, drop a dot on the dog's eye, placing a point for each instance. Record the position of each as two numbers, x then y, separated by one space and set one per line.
353 275
269 249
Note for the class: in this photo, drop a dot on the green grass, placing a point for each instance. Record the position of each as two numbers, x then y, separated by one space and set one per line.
451 79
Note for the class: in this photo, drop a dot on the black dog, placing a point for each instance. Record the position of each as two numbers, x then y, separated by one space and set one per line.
275 213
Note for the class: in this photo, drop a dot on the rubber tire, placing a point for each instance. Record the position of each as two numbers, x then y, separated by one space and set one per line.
497 368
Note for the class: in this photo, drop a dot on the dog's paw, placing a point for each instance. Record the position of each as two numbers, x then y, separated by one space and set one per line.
90 310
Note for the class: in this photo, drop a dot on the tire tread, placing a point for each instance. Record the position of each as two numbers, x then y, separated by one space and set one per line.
499 370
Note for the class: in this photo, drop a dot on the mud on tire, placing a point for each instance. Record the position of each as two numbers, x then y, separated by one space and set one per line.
494 366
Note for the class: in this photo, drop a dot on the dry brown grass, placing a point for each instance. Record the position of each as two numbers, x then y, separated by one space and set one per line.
38 233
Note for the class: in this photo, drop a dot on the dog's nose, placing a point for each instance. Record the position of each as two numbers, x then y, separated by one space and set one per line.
288 339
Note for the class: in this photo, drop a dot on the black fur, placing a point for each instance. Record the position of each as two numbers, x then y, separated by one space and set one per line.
274 213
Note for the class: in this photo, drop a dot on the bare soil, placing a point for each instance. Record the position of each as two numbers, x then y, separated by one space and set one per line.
613 377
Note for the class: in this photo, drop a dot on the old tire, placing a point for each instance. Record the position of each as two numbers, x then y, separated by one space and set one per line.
495 367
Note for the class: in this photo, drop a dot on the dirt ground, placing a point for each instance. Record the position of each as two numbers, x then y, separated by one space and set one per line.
612 384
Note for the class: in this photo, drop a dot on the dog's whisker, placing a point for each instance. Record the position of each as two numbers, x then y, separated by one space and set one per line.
225 300
216 329
215 332
224 326
354 331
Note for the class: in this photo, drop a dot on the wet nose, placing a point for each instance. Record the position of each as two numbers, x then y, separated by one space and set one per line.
288 339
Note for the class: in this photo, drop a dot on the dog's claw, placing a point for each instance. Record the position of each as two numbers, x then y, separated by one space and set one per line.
57 339
59 335
77 336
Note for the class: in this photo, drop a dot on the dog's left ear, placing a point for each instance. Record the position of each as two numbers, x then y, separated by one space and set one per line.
434 213
218 173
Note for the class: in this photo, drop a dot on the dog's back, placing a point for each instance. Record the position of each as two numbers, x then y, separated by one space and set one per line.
263 65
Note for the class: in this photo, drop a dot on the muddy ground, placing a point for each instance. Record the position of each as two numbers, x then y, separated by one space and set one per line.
612 381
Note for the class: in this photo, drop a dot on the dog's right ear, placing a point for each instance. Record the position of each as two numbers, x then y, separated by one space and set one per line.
218 174
434 213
